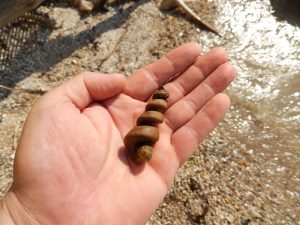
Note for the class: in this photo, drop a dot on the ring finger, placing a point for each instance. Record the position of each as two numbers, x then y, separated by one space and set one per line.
184 109
195 74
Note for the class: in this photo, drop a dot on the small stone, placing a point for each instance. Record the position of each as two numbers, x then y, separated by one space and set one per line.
245 221
74 61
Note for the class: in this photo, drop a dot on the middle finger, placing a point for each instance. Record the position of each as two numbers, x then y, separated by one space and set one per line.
195 74
184 109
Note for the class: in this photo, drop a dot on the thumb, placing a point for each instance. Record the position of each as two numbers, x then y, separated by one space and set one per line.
88 87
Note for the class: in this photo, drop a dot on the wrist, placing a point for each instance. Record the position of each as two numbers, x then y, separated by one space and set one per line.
12 212
5 217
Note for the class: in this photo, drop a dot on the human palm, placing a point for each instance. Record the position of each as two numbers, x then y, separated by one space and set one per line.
71 164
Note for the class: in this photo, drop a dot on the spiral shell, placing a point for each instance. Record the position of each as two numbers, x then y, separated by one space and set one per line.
140 139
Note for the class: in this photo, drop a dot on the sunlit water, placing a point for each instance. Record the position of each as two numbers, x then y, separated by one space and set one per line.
264 120
266 106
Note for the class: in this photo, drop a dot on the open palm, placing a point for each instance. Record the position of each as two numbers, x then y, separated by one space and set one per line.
71 164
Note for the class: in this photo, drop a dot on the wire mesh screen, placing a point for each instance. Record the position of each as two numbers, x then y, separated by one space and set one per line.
22 34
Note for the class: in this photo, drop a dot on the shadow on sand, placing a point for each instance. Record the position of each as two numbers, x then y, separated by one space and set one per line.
41 54
288 10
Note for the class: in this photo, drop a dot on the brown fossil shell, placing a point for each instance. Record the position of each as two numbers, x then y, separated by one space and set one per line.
140 136
150 118
143 154
159 105
161 94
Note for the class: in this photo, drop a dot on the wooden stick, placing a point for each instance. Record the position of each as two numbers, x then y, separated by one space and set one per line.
6 88
12 9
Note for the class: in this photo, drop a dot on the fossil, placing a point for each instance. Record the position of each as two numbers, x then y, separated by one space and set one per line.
140 139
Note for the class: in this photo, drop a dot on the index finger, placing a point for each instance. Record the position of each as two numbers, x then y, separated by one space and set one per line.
147 80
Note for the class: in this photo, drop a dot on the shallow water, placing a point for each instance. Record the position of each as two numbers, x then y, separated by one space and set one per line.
265 116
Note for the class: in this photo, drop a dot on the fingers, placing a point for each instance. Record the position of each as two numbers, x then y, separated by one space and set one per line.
184 109
88 87
195 74
187 138
145 81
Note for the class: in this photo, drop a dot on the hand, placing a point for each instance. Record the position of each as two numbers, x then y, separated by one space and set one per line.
71 166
